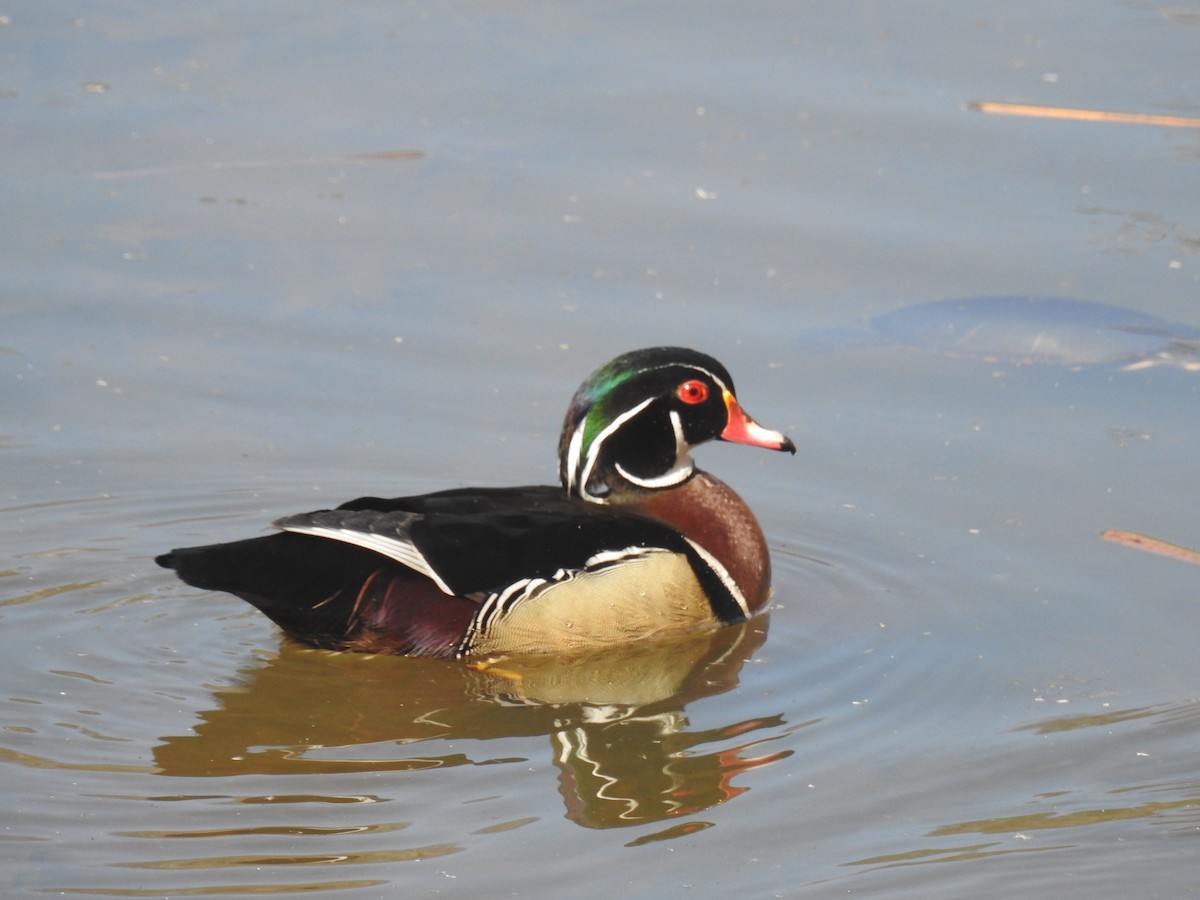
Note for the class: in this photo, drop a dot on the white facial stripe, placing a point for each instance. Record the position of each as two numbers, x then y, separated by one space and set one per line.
679 472
674 475
719 382
573 457
677 427
594 450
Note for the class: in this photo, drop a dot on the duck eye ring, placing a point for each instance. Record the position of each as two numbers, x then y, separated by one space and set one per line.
692 392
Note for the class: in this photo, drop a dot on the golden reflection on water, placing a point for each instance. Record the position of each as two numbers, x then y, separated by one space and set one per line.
1190 802
45 593
616 722
362 857
615 728
1092 720
1180 810
948 854
222 889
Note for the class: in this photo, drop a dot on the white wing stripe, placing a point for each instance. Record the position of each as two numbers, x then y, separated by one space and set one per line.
403 552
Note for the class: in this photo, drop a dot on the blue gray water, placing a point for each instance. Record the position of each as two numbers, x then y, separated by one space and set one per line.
217 311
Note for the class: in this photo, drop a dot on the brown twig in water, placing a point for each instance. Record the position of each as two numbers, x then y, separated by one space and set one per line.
997 108
1151 545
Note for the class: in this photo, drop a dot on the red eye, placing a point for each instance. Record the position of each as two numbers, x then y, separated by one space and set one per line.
693 391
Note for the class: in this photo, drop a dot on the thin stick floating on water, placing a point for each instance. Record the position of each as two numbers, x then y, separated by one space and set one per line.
1151 545
251 164
997 108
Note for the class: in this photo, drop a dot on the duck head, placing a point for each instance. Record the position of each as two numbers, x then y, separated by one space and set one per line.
633 422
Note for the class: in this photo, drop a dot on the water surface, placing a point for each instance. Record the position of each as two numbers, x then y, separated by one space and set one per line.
216 311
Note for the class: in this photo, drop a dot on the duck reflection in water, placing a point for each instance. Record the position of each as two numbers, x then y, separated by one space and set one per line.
617 722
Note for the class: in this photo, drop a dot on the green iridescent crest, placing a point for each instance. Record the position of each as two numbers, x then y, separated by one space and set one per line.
600 412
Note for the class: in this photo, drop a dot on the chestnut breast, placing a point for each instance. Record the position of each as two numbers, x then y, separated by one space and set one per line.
711 513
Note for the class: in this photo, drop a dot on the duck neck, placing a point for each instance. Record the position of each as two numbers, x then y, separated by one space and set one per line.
710 512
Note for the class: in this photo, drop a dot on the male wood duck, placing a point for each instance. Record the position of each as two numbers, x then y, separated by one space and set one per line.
636 542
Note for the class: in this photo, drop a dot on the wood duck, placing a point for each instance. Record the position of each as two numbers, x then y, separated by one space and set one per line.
636 542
